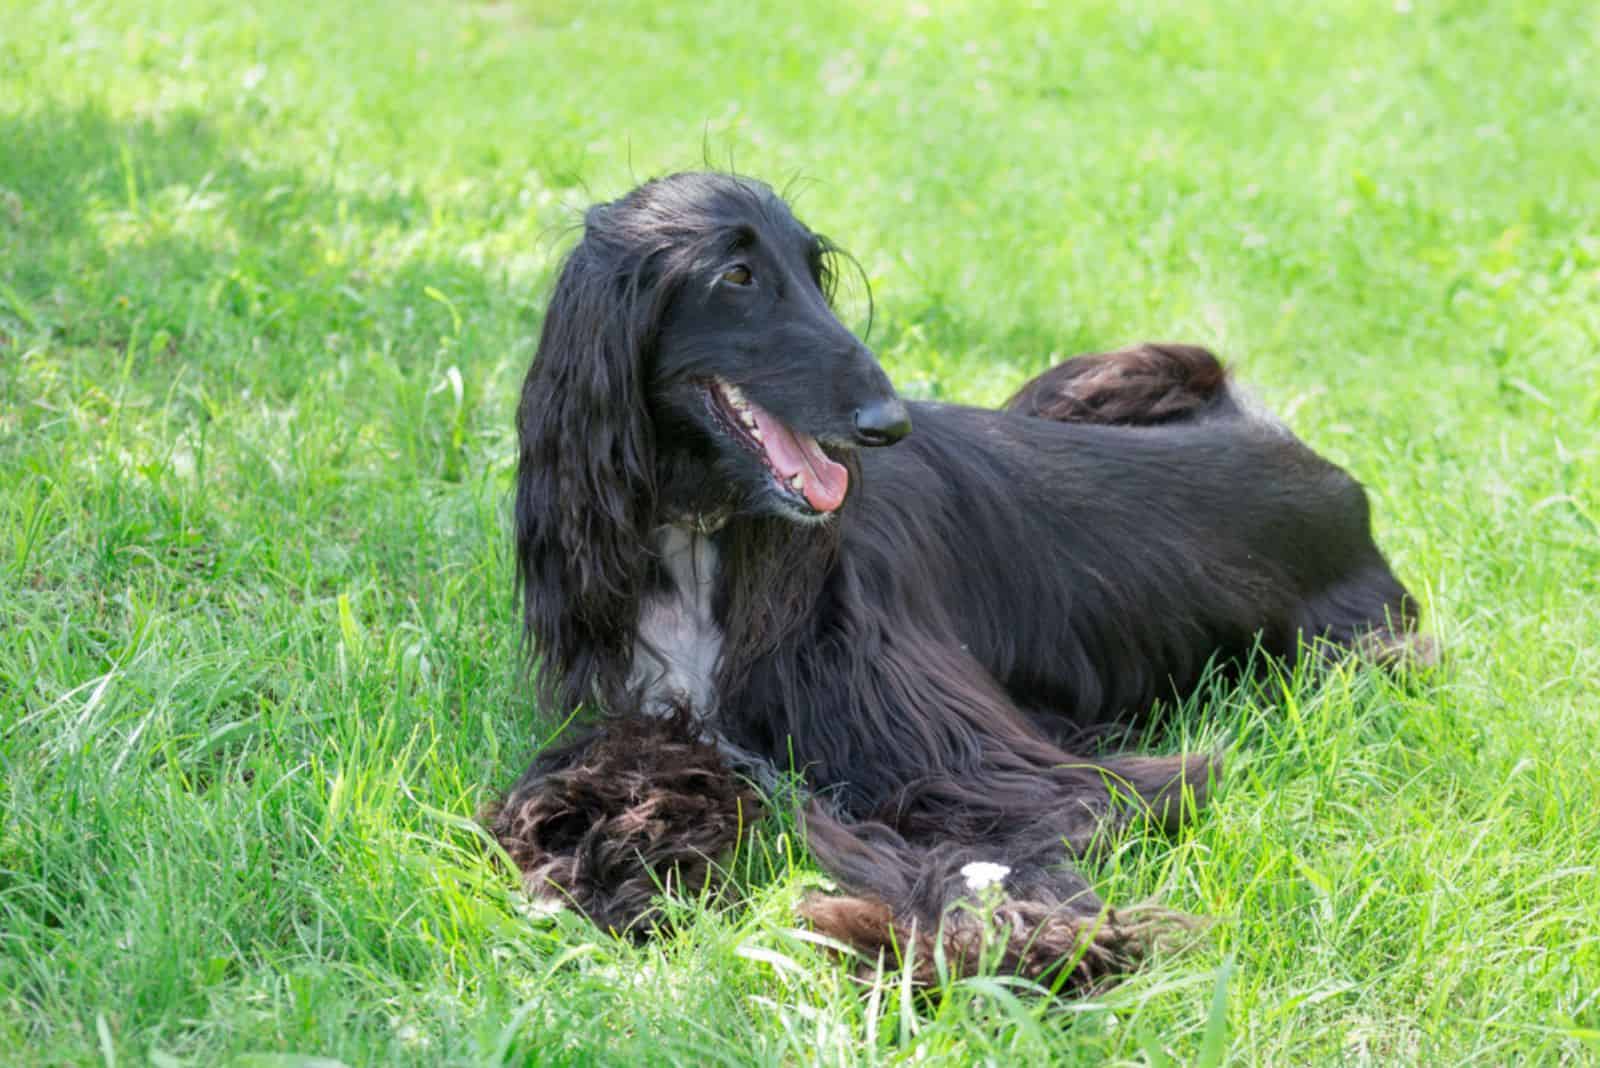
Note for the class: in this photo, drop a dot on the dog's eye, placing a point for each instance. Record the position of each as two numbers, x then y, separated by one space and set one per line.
738 276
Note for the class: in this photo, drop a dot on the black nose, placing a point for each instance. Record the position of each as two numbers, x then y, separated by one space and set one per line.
883 423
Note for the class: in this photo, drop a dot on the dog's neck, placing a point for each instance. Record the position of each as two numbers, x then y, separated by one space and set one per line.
679 641
723 592
699 523
773 572
688 495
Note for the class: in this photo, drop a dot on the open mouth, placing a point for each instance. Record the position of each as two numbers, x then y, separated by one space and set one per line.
799 467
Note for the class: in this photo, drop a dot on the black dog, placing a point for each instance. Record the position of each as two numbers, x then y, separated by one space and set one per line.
708 535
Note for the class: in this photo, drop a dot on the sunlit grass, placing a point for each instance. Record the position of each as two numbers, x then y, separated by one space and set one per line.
268 281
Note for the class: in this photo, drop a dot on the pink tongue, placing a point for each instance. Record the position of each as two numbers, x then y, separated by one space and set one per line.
799 454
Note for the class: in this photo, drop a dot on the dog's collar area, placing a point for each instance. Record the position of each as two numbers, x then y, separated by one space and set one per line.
706 523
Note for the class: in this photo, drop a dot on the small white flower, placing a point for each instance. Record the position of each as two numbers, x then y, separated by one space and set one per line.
981 874
540 909
409 1034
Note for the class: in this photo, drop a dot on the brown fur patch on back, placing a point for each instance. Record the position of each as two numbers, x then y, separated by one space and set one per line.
1144 385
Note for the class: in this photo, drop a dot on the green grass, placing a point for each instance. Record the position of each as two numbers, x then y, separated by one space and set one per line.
269 279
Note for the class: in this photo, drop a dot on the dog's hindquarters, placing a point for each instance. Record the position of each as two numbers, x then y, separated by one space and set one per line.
1364 609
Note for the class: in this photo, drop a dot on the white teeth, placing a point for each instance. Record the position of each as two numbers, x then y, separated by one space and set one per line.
797 482
734 397
741 408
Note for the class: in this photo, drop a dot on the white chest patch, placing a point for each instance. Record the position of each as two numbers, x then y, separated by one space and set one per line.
675 657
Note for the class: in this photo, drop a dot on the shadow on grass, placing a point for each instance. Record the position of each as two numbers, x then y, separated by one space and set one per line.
131 234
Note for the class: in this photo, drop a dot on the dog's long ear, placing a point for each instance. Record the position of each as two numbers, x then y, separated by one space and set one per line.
586 477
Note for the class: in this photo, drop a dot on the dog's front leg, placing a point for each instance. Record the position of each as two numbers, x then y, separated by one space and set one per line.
928 779
631 810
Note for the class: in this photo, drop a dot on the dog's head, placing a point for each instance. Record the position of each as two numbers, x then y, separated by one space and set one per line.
691 367
751 368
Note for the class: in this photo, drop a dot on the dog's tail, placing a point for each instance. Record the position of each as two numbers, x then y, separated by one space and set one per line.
1145 385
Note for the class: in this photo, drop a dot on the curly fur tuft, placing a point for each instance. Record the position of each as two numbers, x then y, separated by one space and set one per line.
628 813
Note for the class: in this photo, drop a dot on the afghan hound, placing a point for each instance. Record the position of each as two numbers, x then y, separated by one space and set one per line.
746 555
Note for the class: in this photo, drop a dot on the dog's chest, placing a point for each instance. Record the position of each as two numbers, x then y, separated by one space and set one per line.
675 657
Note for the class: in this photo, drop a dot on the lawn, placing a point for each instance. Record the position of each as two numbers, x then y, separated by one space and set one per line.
270 276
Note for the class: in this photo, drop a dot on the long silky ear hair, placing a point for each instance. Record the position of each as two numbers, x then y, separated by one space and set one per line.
586 476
